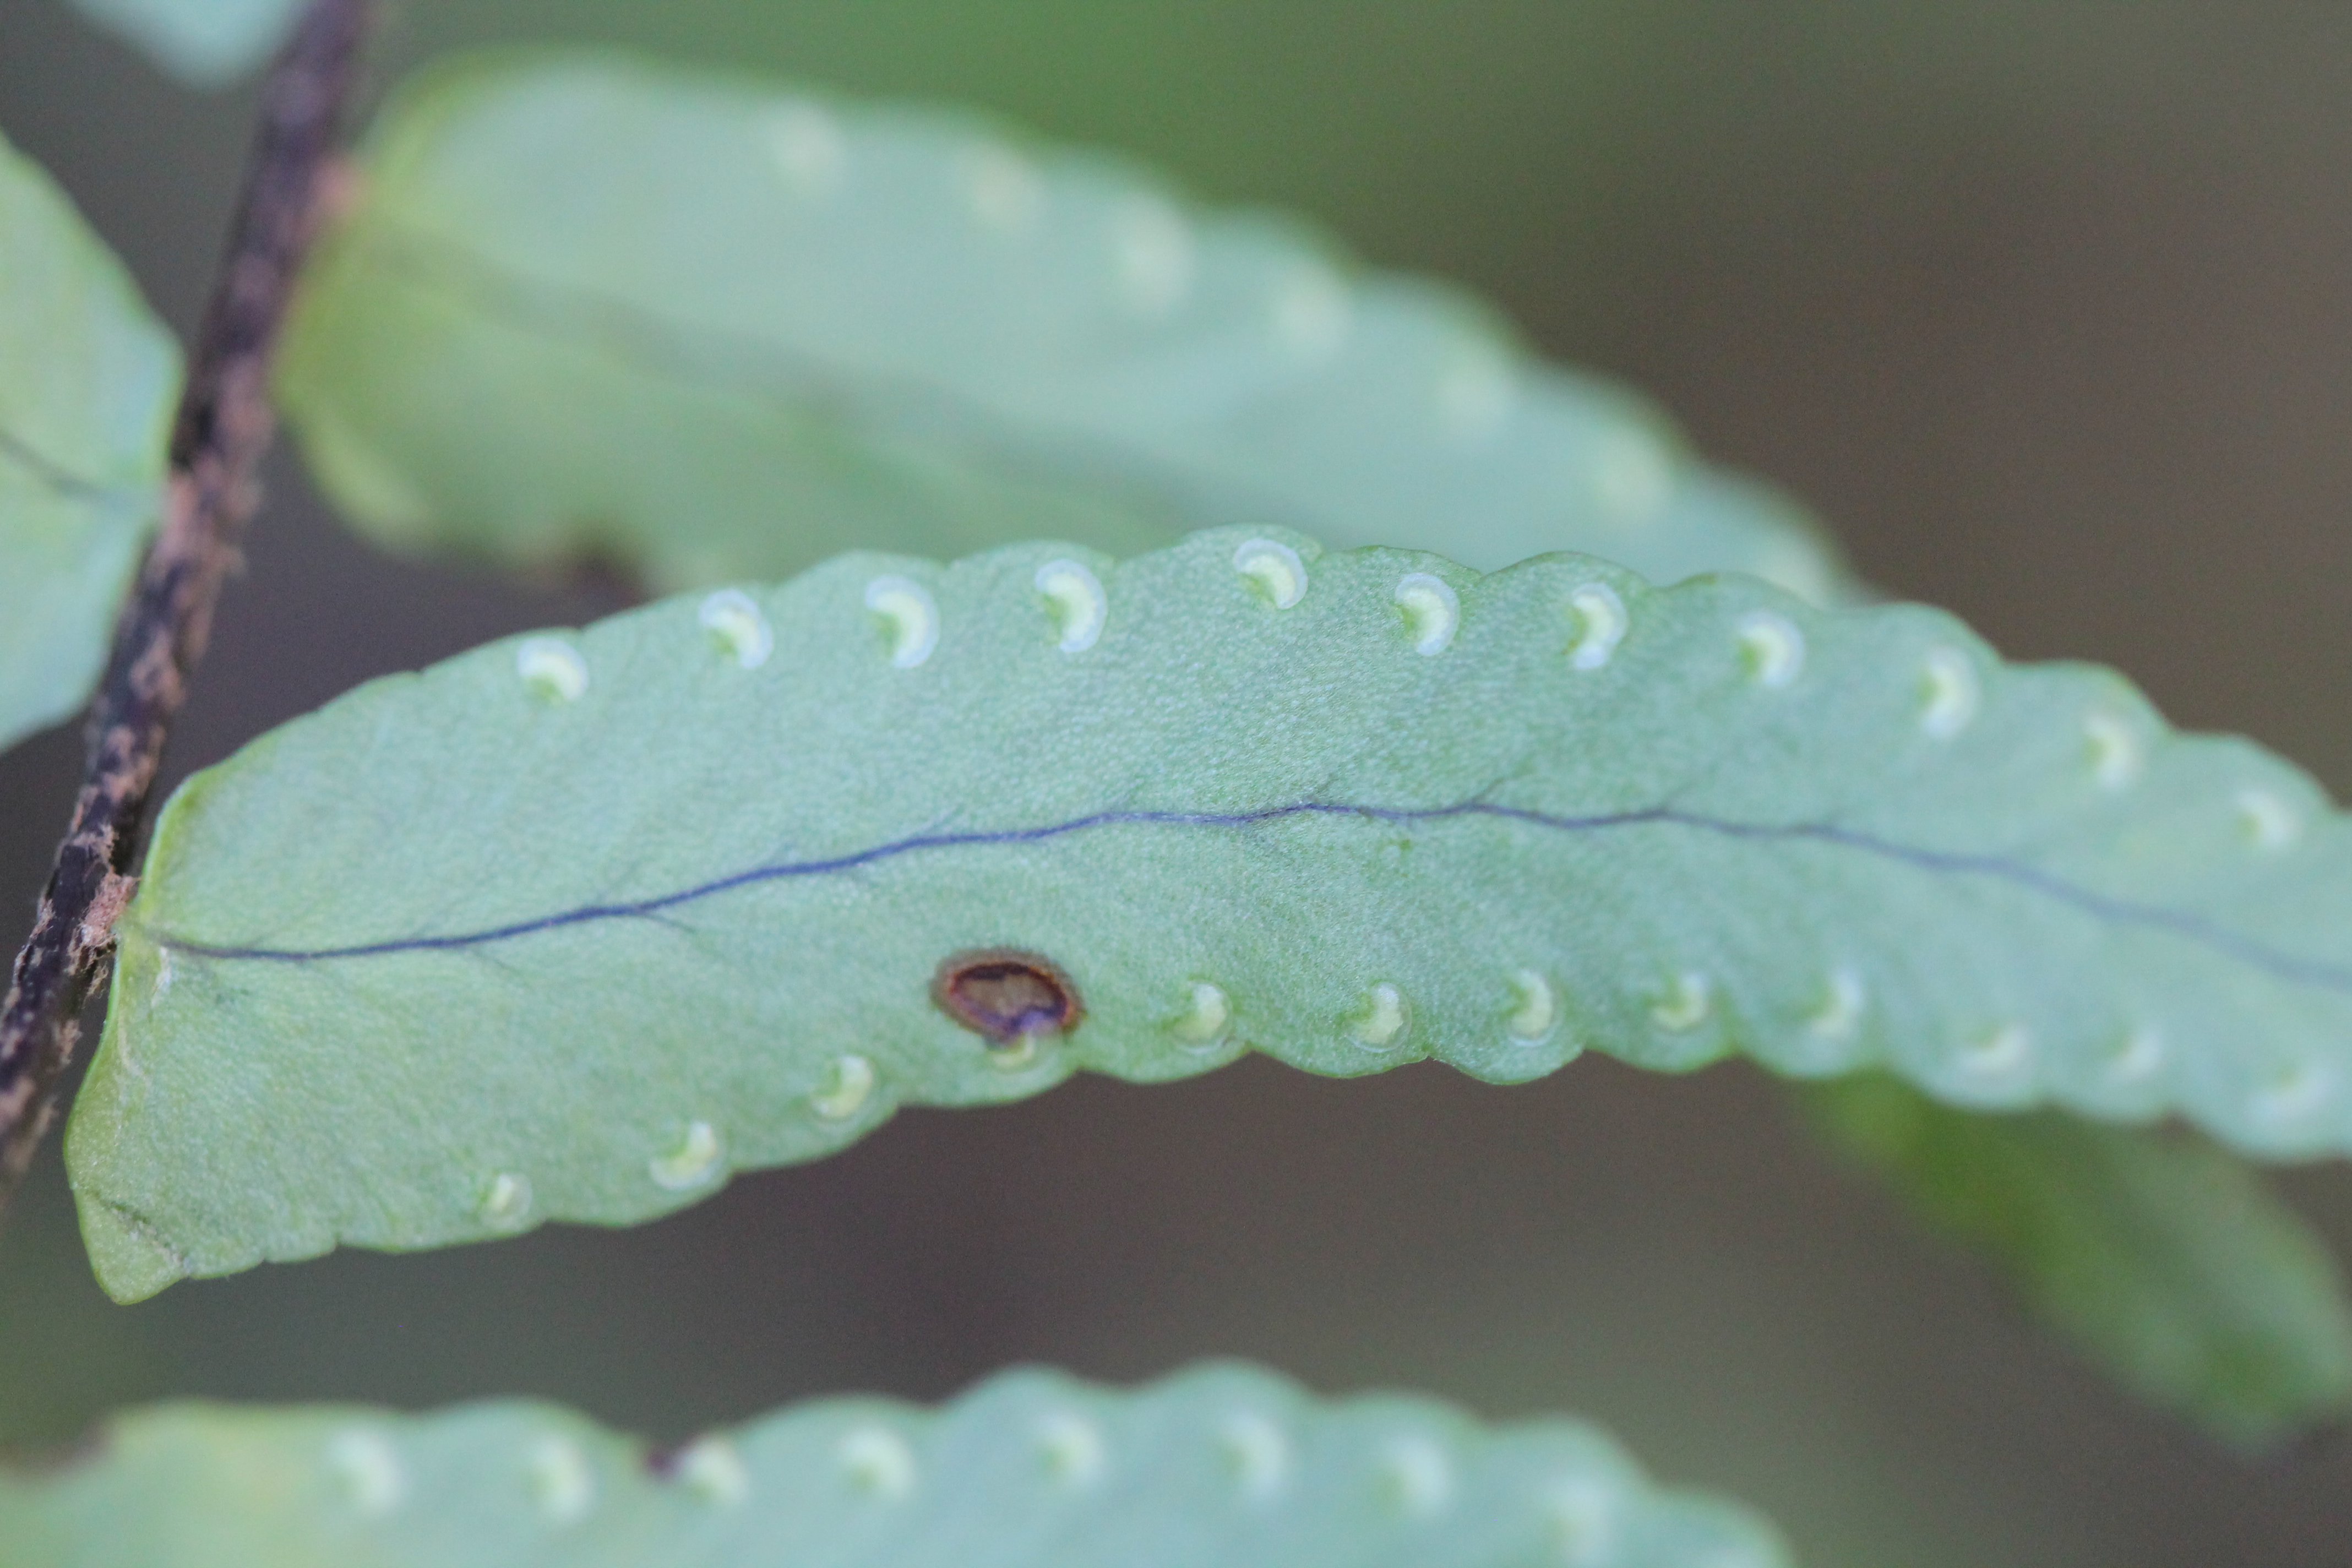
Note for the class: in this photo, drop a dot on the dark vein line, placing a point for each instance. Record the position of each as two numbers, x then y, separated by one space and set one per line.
2188 927
1161 494
53 474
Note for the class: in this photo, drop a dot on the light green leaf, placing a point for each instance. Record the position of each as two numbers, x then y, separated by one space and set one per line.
2165 1258
569 926
1221 1467
717 330
87 381
208 43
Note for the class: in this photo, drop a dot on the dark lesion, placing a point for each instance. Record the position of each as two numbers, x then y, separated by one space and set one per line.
1005 995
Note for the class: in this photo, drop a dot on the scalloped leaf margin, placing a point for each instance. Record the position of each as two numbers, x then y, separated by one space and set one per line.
573 926
715 329
1221 1465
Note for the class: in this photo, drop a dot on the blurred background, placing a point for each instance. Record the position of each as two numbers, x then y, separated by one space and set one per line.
2044 305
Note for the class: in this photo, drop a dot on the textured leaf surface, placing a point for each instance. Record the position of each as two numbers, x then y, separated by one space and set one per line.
2167 1259
1221 1467
87 379
569 926
716 331
206 42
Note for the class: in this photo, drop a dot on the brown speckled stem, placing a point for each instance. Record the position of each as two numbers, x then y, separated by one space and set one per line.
223 427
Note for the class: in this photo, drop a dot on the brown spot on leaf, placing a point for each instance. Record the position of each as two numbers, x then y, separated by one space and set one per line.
1004 994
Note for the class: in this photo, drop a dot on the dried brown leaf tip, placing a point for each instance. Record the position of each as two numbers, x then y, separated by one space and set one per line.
1007 996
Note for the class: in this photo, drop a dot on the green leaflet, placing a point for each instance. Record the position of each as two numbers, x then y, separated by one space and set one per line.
206 43
571 927
2166 1258
718 330
87 379
1221 1467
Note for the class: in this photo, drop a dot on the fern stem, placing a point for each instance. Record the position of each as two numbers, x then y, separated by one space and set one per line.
223 426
